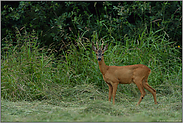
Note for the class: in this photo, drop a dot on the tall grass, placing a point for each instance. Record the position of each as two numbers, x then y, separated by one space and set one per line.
29 72
25 69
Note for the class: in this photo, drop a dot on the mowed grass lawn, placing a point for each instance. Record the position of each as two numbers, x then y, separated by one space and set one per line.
168 109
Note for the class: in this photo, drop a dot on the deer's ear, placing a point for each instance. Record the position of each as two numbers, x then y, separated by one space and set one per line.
93 47
105 48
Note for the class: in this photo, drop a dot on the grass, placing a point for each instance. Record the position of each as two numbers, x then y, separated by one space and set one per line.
169 109
35 86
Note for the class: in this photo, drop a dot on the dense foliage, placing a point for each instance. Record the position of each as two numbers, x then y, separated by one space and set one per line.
46 46
60 23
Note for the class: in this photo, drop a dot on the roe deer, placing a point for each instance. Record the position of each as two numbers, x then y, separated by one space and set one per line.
114 75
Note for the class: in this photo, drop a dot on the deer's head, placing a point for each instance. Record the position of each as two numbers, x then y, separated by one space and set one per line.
99 52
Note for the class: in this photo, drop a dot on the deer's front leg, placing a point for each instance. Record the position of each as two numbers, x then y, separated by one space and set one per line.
110 91
114 85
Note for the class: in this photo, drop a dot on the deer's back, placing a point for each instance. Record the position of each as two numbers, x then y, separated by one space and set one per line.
126 74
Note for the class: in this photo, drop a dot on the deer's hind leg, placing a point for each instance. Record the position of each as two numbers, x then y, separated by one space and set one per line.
138 82
150 89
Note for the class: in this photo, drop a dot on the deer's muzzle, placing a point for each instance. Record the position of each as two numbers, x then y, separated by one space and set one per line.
99 59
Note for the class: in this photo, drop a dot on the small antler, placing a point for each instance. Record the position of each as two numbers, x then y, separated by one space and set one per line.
102 43
97 44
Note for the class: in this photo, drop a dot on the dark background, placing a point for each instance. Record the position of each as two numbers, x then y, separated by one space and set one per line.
59 23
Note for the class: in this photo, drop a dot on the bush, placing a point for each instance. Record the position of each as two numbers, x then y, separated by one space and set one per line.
59 23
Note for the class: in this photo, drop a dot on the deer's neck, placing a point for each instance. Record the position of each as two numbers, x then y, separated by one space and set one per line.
102 66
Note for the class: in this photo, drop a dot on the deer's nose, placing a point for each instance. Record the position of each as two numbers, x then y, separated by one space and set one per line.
99 59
